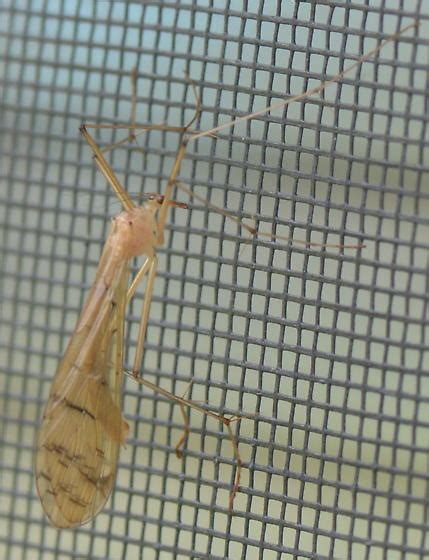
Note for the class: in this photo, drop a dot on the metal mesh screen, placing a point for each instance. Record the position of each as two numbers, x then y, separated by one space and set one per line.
323 352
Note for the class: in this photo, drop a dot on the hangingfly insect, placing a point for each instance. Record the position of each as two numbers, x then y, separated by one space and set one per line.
83 427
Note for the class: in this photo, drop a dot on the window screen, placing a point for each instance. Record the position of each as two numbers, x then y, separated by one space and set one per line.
322 351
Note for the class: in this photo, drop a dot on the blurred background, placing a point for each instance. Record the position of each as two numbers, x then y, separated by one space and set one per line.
323 352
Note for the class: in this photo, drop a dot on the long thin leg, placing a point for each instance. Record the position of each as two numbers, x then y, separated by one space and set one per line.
186 432
217 209
142 127
186 426
238 462
162 214
151 271
258 233
150 267
137 278
277 105
222 419
107 170
117 186
132 126
318 89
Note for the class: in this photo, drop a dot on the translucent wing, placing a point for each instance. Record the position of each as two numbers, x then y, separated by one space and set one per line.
82 428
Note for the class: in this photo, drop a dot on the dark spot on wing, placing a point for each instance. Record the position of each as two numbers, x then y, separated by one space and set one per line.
43 474
78 502
79 409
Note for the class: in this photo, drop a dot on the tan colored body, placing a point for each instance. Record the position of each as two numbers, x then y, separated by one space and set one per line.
82 426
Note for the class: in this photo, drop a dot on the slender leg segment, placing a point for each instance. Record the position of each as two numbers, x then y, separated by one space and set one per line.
107 170
226 421
137 279
138 358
